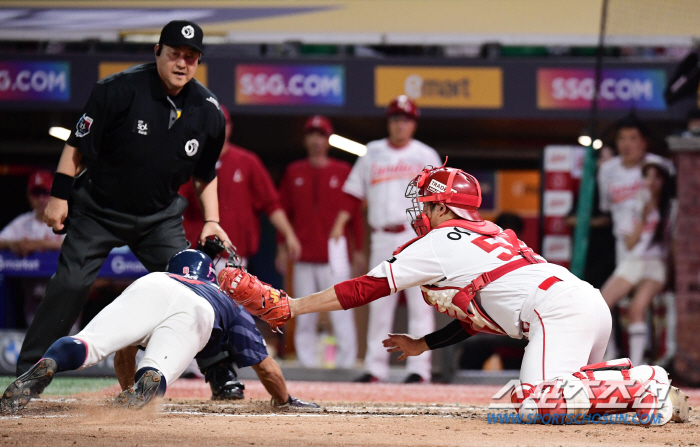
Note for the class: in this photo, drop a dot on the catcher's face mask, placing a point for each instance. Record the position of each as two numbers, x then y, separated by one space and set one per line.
416 218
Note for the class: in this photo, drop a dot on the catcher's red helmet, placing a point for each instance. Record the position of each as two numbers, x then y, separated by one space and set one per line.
402 105
318 123
459 191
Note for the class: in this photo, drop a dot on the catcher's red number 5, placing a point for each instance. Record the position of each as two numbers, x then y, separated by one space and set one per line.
488 247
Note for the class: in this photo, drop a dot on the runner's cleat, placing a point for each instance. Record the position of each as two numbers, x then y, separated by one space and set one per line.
141 393
28 386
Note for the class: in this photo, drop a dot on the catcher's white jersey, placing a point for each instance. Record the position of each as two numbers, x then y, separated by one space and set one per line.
453 257
620 188
381 177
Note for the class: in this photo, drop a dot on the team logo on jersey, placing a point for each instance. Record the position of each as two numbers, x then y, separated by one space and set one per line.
334 182
299 181
185 270
188 31
83 127
438 187
142 127
191 147
238 176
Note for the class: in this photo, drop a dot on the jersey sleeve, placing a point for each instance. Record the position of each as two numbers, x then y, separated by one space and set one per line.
356 184
416 265
263 190
107 100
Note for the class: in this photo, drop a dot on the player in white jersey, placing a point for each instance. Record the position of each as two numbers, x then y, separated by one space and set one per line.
491 282
380 178
620 184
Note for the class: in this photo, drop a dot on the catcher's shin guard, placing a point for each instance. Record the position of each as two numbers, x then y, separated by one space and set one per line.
258 298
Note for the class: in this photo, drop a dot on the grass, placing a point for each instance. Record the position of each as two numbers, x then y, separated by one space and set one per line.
63 386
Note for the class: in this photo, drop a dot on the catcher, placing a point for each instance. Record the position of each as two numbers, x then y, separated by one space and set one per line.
185 315
489 281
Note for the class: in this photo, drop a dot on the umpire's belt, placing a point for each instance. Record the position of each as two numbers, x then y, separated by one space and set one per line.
400 228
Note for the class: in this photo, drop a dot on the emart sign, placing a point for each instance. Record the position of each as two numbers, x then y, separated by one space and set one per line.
440 87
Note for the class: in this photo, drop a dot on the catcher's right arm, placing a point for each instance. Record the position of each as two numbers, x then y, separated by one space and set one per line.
262 300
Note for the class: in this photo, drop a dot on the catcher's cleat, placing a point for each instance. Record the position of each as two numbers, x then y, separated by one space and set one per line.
367 378
414 378
258 298
681 409
223 382
141 393
28 386
296 404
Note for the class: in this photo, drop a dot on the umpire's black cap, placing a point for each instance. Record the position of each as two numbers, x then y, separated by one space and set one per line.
182 32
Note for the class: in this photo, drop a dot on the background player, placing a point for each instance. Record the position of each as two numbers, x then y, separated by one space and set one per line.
175 316
380 178
487 279
138 143
312 196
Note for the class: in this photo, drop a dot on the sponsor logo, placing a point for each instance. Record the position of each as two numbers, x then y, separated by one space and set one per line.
213 100
558 158
120 265
436 186
191 147
188 31
440 87
556 248
83 126
290 85
142 127
620 89
23 264
275 294
34 81
558 203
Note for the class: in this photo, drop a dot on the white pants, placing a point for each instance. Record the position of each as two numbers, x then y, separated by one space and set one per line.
311 278
421 318
156 312
569 328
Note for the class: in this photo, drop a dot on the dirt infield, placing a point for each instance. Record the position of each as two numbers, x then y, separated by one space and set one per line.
353 414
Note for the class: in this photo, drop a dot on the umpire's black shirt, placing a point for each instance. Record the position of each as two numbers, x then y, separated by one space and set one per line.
139 145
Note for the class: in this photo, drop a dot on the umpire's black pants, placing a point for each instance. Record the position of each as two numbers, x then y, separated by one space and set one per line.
92 233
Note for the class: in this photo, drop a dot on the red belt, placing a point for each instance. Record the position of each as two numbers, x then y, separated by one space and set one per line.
391 229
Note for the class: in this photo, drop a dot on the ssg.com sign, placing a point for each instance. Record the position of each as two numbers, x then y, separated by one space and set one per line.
34 81
290 85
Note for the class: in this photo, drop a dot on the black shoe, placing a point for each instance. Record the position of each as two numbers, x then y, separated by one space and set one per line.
414 378
367 378
141 393
28 386
296 404
223 382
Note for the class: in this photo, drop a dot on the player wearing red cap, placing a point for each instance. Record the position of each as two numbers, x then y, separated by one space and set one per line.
489 281
312 196
380 178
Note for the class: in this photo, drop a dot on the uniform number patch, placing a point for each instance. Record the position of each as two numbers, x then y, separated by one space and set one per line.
191 147
142 127
83 126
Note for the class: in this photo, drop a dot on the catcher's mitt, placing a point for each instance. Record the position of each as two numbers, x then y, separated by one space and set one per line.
258 298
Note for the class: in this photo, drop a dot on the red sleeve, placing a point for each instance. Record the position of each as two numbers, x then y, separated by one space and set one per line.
356 225
265 195
360 291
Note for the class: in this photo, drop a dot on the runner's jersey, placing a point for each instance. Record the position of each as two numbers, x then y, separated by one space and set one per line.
452 257
381 177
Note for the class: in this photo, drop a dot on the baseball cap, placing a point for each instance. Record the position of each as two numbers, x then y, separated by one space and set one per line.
318 123
40 180
402 105
182 32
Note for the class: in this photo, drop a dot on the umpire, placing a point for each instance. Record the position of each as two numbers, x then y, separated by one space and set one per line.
143 133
